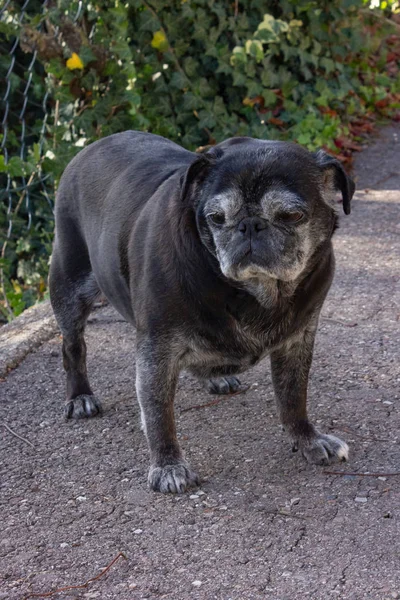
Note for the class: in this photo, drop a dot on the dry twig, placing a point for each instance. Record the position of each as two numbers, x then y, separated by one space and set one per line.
394 474
380 17
75 587
349 324
17 435
216 401
356 433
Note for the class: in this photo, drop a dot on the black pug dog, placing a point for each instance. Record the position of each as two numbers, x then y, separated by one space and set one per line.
217 259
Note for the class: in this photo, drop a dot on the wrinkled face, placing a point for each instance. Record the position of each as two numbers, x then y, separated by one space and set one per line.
264 210
270 237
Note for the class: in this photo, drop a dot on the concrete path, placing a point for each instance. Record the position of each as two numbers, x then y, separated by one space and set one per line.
264 524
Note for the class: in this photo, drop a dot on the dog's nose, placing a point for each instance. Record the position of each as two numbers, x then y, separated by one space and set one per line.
252 225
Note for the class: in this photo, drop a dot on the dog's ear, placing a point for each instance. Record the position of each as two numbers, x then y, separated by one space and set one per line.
334 179
198 171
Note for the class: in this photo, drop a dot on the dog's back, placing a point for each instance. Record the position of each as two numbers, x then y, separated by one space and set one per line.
112 168
101 196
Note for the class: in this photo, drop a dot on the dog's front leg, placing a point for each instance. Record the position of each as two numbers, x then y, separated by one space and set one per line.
290 369
156 378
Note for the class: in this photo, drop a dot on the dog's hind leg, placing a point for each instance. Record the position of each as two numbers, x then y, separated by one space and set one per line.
73 290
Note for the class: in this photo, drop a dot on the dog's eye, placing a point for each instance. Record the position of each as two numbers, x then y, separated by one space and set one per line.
293 217
217 218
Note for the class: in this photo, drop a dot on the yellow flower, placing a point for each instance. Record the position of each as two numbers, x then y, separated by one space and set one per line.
159 41
74 62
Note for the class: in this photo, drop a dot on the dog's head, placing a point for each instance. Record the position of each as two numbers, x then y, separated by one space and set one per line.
264 208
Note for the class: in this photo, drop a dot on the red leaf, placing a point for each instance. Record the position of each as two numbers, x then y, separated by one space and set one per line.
382 103
275 121
252 101
325 110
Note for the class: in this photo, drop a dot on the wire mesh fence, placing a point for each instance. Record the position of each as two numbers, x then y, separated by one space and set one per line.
22 88
67 77
28 114
25 113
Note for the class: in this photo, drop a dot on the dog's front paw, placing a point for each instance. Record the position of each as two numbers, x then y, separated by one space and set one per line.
174 479
322 449
83 407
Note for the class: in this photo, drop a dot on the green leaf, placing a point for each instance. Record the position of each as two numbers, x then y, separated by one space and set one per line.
36 152
304 138
16 167
190 101
179 81
270 98
327 64
86 55
255 48
239 56
269 29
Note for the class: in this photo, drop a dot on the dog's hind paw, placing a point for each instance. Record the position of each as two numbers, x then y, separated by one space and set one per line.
83 407
174 479
225 385
322 449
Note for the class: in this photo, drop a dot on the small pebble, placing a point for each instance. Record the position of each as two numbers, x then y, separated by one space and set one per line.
64 545
81 499
294 501
387 402
138 531
360 499
197 583
194 497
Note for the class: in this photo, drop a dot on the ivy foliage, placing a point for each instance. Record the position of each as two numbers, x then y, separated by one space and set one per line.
292 69
195 71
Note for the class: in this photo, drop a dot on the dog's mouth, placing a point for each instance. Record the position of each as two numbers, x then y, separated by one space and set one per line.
249 264
252 265
251 258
